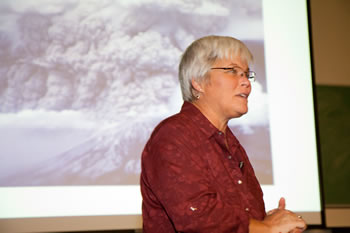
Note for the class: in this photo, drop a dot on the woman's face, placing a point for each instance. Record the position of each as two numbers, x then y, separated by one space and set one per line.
227 90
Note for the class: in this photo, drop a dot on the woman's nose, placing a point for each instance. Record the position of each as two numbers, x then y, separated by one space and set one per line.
244 80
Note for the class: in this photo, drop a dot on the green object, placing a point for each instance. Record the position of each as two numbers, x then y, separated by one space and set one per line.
333 111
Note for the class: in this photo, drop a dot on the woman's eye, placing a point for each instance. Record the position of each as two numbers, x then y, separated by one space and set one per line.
233 71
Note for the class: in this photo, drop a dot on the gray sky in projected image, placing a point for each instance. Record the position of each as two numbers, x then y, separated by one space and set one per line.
89 80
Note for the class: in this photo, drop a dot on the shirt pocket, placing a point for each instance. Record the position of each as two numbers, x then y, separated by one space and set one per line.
203 204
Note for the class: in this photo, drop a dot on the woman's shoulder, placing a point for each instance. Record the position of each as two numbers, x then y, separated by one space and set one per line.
175 126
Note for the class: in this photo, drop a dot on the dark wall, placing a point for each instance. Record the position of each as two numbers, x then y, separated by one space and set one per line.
330 23
333 114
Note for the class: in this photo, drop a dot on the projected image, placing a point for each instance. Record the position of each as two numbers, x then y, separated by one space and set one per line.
83 84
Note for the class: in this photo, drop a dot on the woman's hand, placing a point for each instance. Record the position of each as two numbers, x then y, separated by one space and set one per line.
284 221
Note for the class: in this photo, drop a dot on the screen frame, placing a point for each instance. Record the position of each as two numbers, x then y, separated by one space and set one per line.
113 222
317 133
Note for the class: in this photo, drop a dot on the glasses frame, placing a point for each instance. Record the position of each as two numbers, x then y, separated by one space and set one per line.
250 75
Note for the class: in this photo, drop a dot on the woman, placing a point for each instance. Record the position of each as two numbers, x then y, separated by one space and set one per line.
196 177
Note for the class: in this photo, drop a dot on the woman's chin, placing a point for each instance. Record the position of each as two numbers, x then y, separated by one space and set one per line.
239 113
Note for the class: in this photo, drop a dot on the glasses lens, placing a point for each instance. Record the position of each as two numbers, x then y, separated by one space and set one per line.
251 75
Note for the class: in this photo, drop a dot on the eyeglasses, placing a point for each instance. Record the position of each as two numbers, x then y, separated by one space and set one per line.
250 75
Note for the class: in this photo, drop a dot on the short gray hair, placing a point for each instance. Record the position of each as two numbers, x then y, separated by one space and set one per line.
198 58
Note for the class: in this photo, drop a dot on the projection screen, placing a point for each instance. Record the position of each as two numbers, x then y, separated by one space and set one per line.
83 84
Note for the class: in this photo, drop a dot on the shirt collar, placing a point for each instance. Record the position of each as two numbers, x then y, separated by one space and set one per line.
204 124
199 119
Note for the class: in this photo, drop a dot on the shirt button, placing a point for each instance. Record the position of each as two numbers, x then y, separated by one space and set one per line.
239 182
220 133
247 209
229 157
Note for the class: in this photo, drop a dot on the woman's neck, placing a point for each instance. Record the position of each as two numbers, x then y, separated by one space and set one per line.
211 115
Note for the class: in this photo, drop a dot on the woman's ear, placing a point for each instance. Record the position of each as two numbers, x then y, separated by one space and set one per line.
196 86
197 89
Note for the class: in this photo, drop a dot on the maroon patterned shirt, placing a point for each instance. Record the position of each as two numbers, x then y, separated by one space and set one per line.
191 182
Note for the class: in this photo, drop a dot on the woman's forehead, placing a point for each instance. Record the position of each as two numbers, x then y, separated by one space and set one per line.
232 61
